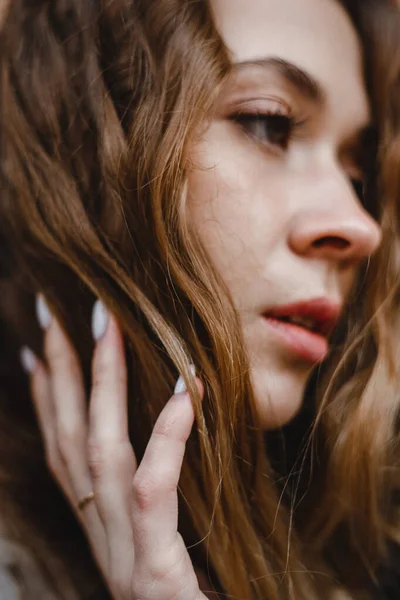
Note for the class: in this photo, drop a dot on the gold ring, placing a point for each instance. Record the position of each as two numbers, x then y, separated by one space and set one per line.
85 500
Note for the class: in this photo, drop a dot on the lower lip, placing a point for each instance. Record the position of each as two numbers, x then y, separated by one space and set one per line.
307 345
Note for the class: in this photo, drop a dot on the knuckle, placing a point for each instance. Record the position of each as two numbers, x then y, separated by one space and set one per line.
163 429
145 492
97 380
68 442
168 429
173 572
120 378
97 459
104 370
61 358
97 384
148 491
104 455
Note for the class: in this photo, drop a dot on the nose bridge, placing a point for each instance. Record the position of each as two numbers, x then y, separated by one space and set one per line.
332 223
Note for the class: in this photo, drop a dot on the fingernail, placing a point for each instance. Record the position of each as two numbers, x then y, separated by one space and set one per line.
99 320
43 312
28 359
180 386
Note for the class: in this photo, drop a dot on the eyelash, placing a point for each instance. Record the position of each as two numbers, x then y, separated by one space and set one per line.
278 128
366 191
276 123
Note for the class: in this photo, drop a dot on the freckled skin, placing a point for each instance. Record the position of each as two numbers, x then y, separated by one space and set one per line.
259 209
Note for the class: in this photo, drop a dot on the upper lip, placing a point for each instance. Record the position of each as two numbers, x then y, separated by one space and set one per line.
325 313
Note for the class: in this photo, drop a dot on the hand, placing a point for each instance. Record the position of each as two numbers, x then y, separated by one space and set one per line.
131 523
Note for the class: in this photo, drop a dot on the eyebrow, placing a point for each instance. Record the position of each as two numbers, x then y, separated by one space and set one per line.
304 82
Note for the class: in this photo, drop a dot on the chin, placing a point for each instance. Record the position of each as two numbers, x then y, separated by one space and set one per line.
279 396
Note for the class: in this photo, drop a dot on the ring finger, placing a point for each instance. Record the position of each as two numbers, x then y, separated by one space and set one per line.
68 436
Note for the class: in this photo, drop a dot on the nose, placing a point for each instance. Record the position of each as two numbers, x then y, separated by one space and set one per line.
337 227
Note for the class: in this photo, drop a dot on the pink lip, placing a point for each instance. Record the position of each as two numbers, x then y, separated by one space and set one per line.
325 312
307 345
311 346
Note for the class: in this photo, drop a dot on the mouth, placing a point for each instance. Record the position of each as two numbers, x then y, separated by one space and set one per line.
306 344
305 322
303 328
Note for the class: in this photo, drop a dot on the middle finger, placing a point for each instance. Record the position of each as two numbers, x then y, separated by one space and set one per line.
111 458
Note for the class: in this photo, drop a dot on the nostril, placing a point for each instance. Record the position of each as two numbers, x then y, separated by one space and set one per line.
332 241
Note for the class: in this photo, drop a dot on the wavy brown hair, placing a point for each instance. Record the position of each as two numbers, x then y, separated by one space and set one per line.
100 101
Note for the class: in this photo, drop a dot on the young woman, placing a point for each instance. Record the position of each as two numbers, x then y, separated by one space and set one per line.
206 188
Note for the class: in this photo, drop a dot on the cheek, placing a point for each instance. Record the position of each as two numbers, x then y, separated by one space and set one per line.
238 205
218 203
229 207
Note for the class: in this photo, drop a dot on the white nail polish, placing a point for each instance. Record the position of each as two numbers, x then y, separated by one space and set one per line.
43 312
99 320
180 386
28 359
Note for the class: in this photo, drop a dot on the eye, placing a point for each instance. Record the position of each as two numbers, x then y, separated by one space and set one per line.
366 190
366 158
271 129
358 186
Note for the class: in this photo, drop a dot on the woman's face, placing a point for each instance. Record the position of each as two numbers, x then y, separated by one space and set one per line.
271 195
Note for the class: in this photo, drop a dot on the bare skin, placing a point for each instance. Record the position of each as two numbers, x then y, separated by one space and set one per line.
265 211
132 523
259 205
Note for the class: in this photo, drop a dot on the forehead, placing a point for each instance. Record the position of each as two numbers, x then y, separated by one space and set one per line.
316 35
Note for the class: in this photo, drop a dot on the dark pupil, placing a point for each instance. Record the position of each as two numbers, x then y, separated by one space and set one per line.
367 191
273 128
359 189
